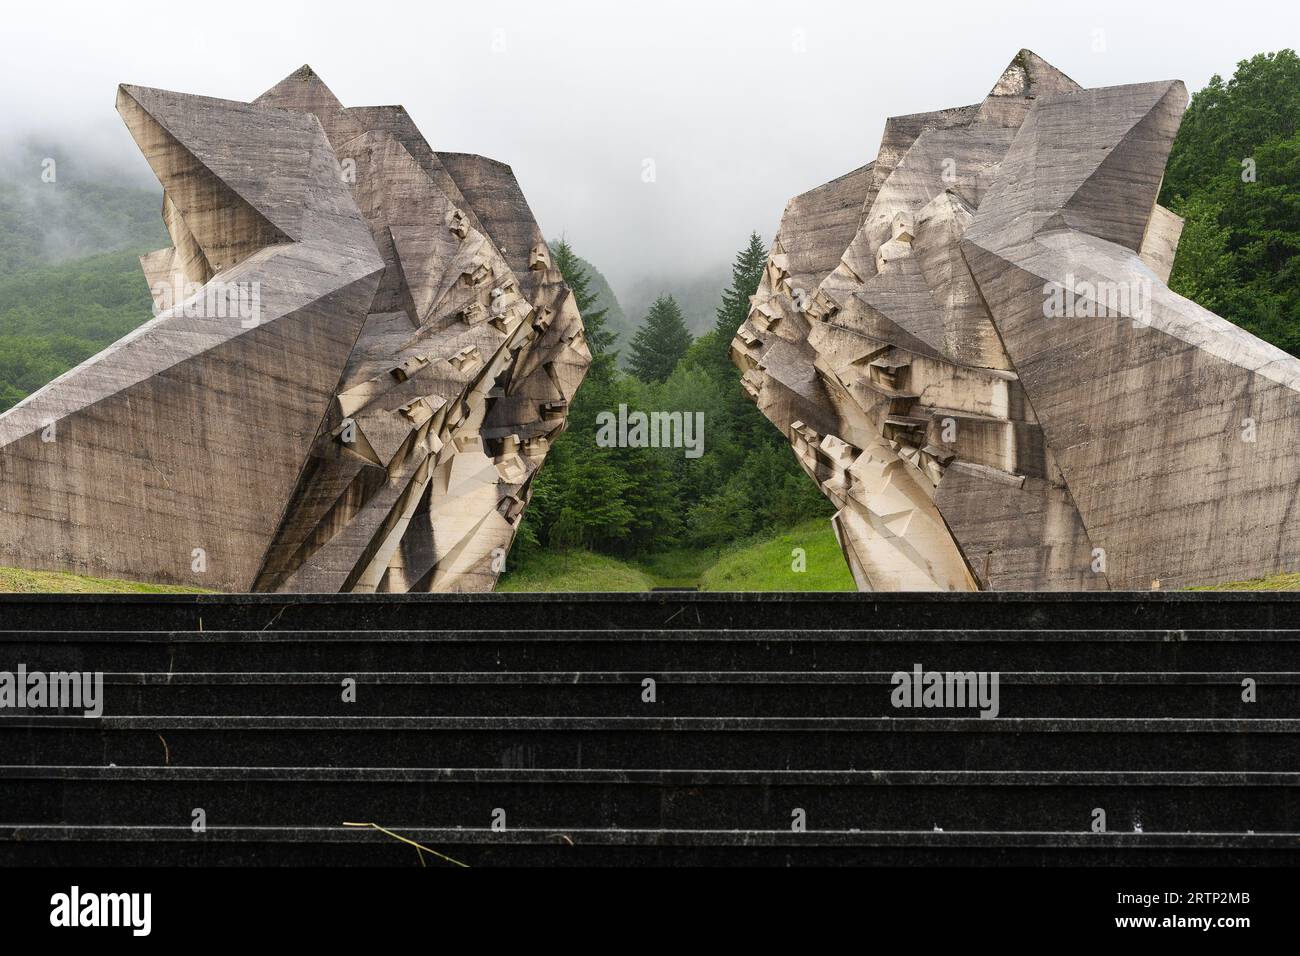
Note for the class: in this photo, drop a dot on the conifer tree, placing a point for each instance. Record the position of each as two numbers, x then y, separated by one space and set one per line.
746 273
660 343
599 338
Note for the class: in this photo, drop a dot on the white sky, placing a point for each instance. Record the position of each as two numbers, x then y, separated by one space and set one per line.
575 95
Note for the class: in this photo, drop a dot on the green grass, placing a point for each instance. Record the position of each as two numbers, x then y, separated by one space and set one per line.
1278 582
19 581
769 565
763 565
680 567
579 571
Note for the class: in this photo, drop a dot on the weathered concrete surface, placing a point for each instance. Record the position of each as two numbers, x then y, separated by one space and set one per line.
372 362
994 384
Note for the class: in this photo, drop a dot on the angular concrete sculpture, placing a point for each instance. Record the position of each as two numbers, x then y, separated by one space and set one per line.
971 347
361 357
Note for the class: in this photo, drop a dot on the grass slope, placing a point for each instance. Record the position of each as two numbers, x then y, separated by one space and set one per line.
20 581
764 565
770 565
1278 582
579 571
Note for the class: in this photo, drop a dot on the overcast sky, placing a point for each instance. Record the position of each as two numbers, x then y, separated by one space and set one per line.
739 105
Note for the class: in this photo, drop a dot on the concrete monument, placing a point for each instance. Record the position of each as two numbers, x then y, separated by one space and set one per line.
970 345
361 355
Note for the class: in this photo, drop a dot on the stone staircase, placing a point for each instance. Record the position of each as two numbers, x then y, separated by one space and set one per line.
515 729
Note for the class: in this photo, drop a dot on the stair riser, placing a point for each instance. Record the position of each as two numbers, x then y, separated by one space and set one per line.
822 611
391 852
643 749
654 656
685 700
648 806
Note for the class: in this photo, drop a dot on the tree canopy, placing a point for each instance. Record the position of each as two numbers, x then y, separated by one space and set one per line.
660 343
1234 175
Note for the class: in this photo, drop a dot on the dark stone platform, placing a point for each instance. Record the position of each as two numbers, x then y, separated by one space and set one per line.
765 703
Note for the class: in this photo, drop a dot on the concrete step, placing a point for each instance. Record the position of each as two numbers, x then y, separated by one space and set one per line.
652 799
666 611
684 693
343 846
644 650
768 743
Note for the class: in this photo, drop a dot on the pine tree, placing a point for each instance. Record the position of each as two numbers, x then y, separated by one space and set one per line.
660 343
746 274
599 338
752 430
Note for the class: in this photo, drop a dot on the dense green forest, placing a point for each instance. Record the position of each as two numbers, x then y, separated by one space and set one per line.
54 317
1234 174
634 502
70 279
69 222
